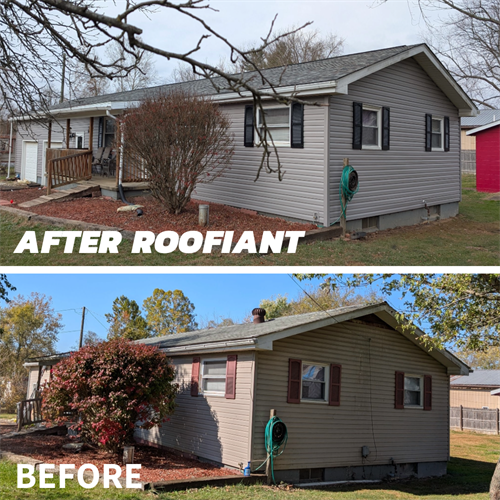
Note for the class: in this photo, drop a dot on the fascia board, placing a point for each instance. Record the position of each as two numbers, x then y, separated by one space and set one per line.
483 127
32 363
222 346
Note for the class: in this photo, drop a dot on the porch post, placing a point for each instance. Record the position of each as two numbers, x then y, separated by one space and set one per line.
119 160
49 137
68 123
91 140
10 147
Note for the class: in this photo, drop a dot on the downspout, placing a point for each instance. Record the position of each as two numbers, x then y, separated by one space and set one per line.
120 168
10 148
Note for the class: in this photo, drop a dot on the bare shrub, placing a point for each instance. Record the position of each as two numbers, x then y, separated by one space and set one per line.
183 141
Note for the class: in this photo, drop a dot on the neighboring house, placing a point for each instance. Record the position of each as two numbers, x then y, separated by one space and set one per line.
39 372
340 380
475 391
487 156
468 142
395 113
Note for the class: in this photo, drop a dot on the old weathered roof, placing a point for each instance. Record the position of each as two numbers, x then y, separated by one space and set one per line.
484 116
486 378
245 330
262 335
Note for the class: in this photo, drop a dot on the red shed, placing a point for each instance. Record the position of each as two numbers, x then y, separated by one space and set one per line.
487 157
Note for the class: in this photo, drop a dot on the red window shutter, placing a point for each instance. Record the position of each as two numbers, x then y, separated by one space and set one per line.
195 376
335 374
427 392
231 376
399 393
294 380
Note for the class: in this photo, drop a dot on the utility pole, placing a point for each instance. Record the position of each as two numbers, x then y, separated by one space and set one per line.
81 329
63 76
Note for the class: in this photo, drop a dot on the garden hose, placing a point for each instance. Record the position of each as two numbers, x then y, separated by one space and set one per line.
276 436
349 186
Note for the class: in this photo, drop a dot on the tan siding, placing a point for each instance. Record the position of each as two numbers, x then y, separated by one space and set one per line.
474 398
32 380
398 179
468 141
329 436
211 427
298 195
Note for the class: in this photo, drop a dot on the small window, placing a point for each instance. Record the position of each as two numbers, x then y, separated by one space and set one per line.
314 379
109 132
437 134
371 127
213 377
413 391
277 123
79 142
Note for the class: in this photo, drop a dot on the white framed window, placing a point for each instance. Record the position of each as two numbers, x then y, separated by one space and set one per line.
437 134
372 127
413 391
278 124
314 386
213 377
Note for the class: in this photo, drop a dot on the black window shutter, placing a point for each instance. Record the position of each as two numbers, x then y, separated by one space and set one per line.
446 133
249 126
428 132
357 125
297 139
399 393
100 132
386 129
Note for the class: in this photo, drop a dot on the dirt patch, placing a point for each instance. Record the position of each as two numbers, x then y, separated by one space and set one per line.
155 218
156 465
5 428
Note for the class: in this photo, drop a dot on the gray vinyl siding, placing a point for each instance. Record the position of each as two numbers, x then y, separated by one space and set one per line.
210 427
332 436
401 178
299 195
39 132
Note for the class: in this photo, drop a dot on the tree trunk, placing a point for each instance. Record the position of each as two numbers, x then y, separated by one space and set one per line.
495 483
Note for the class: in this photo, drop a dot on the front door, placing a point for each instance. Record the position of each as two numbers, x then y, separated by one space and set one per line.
30 160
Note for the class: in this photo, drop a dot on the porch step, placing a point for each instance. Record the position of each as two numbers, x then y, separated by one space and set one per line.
62 194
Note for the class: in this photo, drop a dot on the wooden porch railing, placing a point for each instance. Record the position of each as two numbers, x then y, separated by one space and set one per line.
64 166
29 411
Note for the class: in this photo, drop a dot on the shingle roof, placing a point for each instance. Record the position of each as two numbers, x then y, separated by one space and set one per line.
245 330
489 378
298 74
483 117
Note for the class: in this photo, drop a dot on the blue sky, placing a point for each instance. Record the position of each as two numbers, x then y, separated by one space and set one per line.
214 295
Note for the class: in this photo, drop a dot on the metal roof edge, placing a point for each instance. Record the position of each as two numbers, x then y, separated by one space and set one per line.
482 127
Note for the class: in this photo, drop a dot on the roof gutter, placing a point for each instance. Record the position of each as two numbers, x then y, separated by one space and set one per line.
232 345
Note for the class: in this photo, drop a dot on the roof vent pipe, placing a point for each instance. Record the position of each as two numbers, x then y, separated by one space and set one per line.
258 315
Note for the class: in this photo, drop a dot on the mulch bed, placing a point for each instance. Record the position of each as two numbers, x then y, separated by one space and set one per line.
155 218
21 195
156 465
6 428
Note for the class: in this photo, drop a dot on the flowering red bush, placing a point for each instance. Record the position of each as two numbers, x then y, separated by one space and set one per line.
114 387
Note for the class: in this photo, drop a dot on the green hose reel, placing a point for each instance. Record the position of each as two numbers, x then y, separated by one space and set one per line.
276 437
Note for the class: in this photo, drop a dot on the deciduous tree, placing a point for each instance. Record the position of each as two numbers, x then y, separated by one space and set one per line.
114 387
169 312
182 141
126 320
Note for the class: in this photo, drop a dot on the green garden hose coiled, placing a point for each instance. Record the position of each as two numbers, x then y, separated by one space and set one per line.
276 436
349 186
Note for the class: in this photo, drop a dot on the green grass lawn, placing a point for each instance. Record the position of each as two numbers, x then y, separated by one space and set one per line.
8 416
469 473
472 238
